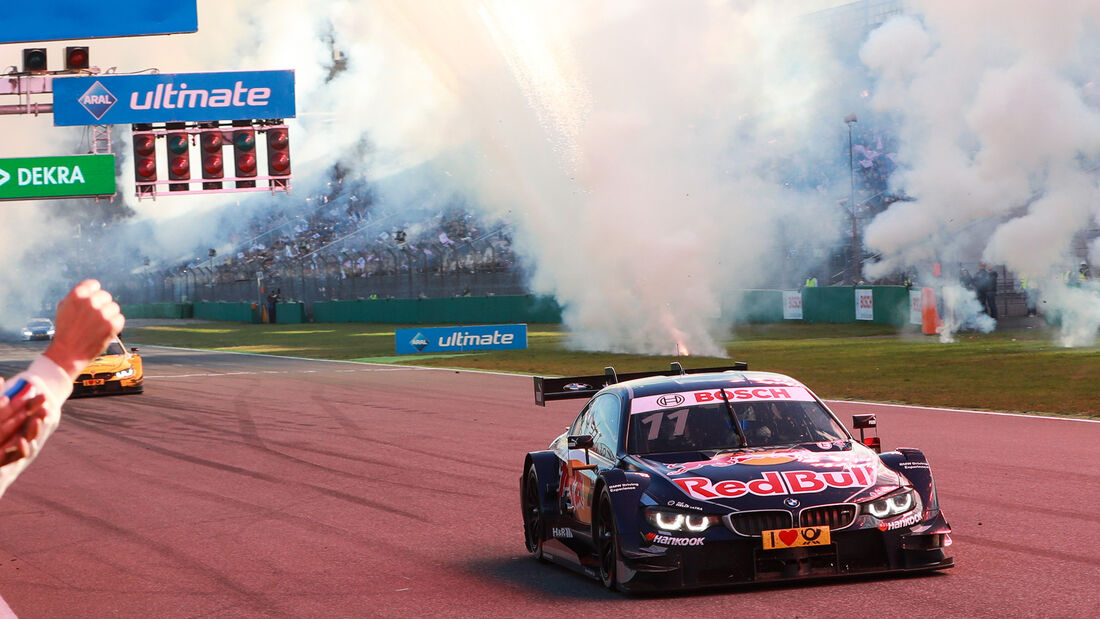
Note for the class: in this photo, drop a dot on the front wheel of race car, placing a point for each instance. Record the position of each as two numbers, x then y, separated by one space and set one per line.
531 504
607 542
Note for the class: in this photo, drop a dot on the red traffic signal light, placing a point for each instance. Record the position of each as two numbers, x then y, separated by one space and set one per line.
244 152
179 156
211 142
278 155
34 60
76 58
145 159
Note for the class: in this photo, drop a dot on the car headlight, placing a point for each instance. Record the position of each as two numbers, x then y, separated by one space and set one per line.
127 373
27 333
669 520
893 505
50 333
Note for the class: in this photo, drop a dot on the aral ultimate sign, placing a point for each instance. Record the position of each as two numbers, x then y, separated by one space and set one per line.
172 97
460 339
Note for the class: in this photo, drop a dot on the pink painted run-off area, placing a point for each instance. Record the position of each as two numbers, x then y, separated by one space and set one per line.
244 485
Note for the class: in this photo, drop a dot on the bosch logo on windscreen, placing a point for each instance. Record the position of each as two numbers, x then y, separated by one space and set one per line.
759 393
736 394
670 400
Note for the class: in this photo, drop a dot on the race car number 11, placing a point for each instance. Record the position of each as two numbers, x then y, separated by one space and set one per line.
775 539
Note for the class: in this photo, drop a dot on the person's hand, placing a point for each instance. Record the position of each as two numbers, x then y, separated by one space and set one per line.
20 423
87 318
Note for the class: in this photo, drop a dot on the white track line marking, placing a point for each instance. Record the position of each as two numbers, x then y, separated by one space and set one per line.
961 410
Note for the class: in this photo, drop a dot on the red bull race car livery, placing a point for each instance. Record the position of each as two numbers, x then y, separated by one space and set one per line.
682 479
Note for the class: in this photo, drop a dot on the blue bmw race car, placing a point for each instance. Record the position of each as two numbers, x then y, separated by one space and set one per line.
38 329
682 479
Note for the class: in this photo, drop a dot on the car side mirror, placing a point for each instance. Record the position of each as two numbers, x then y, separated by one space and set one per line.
860 422
585 442
133 349
865 422
581 441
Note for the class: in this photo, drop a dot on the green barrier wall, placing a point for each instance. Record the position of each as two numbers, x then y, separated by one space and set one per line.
891 305
837 304
828 304
230 312
158 310
757 306
504 309
290 313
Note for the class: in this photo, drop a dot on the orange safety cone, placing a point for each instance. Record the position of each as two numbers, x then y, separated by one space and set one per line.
930 319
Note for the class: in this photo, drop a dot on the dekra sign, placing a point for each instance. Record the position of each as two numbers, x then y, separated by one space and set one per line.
58 175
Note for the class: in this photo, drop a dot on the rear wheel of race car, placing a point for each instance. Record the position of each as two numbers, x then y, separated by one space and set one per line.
607 542
531 504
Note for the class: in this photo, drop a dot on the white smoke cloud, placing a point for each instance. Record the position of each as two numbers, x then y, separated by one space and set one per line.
1075 307
638 148
643 151
962 310
638 177
1000 138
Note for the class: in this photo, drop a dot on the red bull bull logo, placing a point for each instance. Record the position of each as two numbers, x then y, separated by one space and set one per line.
833 459
729 459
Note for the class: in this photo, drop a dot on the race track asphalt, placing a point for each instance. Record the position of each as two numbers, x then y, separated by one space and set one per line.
250 486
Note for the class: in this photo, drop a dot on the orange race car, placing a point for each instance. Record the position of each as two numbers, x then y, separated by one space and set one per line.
114 371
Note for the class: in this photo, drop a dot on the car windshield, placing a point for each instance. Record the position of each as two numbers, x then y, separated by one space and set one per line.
709 426
39 322
114 348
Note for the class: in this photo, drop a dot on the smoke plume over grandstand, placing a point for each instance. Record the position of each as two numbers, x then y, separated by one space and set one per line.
650 159
998 114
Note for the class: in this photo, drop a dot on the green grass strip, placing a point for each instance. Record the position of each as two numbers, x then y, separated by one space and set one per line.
1021 370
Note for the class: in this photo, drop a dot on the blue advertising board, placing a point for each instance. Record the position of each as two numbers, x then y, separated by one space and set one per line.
56 20
172 97
460 339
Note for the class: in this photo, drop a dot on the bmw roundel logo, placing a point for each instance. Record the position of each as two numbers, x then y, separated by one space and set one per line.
791 502
672 399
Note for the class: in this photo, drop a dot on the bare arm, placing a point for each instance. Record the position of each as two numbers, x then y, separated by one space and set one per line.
87 318
86 321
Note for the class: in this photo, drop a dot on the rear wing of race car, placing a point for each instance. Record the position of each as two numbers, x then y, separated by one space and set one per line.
570 387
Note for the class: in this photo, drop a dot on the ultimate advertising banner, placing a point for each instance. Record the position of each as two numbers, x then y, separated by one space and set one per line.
460 339
172 97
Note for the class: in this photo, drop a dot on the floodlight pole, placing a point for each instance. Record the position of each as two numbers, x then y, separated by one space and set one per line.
857 254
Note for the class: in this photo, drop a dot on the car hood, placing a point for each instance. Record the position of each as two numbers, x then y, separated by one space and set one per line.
813 474
107 363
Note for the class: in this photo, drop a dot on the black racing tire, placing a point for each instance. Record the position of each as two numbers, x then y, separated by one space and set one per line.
606 538
533 521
